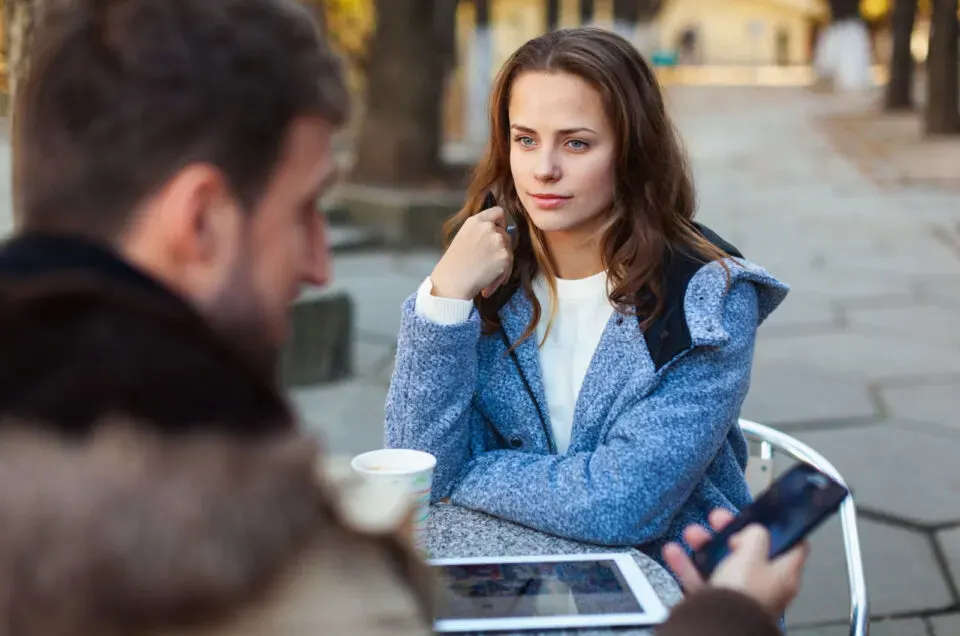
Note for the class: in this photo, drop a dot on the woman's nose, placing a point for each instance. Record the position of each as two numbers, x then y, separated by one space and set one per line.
547 169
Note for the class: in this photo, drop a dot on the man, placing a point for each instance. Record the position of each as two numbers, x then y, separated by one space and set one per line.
152 477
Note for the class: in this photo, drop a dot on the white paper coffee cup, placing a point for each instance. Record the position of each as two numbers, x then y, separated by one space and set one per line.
403 471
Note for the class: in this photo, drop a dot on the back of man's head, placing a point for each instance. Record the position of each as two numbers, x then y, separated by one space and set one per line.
122 94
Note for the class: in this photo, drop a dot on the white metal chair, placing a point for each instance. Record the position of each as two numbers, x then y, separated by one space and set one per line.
760 475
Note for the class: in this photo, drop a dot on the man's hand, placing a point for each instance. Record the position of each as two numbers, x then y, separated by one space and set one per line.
774 584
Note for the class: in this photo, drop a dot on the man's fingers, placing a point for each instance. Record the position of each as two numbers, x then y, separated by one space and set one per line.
696 536
682 567
720 518
753 540
793 559
788 570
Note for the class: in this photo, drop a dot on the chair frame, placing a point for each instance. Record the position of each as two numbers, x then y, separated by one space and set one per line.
771 440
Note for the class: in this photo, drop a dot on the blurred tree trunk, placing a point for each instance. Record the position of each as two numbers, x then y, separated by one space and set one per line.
899 93
943 109
411 55
844 10
552 14
625 16
19 17
586 12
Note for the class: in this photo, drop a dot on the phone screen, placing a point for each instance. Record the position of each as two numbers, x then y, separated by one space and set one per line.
793 506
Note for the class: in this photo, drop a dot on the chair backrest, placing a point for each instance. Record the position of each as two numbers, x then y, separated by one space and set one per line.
765 442
761 468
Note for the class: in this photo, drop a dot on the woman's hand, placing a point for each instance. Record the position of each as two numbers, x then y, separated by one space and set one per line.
774 584
479 259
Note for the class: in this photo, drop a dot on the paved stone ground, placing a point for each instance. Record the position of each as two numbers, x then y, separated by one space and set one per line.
861 361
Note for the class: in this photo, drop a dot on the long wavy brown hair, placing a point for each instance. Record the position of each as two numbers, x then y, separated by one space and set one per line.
654 204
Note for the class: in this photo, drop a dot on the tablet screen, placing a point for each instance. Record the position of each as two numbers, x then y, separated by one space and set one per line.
535 589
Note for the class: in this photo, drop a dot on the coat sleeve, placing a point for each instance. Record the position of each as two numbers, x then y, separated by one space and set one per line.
719 612
628 490
430 401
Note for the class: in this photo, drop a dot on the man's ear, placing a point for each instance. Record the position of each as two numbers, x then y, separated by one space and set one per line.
189 209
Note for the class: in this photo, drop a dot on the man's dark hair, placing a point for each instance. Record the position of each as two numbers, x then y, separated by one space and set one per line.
121 94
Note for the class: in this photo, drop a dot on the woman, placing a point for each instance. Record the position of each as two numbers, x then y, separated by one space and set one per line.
582 374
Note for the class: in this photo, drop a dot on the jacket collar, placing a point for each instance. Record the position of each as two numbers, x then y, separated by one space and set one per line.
32 255
86 335
666 337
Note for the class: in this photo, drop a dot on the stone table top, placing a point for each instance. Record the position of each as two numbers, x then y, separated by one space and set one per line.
457 532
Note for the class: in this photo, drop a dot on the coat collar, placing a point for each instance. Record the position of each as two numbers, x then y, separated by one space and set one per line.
33 255
622 345
85 335
666 337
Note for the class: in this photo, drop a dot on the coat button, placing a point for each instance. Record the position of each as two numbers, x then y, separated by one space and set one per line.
516 442
619 320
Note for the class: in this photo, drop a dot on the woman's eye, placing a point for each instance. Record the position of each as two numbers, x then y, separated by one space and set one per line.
524 140
577 144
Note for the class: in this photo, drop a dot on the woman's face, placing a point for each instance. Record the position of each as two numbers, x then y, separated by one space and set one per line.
562 152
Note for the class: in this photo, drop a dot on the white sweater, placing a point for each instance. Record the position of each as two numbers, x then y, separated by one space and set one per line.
583 311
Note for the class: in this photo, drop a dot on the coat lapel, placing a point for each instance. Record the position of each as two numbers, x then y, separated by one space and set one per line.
614 365
515 320
503 399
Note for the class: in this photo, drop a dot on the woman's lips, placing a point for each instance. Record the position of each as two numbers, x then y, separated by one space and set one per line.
550 201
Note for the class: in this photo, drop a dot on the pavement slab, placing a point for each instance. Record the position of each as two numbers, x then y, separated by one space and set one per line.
949 541
900 473
347 416
931 402
870 357
946 625
378 284
901 569
929 323
789 394
899 627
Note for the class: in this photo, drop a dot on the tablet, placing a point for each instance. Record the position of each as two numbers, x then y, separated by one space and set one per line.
544 592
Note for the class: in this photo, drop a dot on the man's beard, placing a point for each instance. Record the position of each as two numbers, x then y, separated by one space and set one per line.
239 318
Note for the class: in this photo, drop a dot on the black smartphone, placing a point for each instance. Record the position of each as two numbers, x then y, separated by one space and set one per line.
489 201
794 506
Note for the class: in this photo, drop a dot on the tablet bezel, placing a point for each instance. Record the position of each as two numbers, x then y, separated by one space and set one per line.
654 612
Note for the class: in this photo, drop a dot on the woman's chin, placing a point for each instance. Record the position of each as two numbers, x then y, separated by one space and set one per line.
550 221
